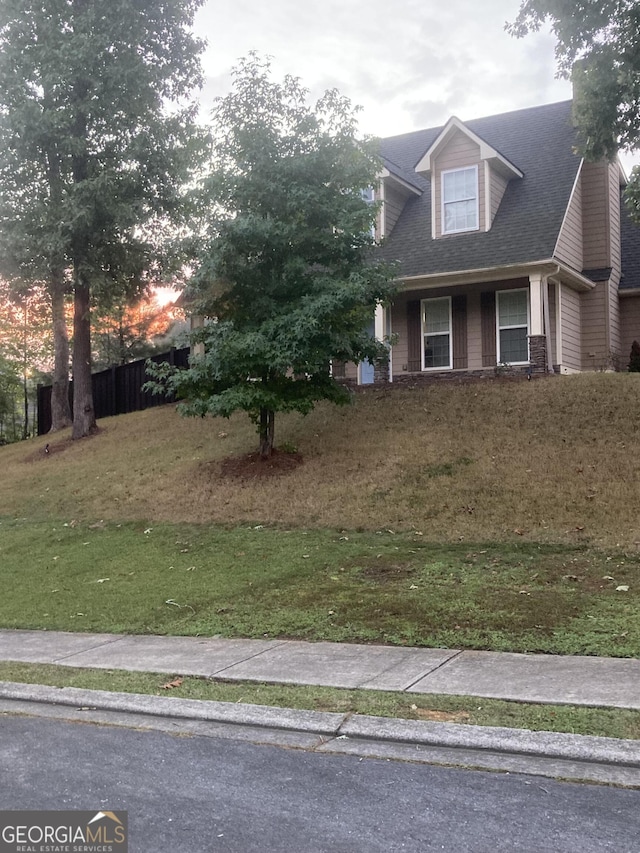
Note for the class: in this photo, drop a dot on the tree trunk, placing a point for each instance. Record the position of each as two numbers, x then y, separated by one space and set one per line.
60 408
84 418
25 393
267 423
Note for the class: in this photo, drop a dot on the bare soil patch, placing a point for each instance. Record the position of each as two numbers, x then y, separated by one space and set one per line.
251 466
441 716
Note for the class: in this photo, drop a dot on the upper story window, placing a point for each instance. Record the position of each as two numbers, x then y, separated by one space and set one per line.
369 196
460 200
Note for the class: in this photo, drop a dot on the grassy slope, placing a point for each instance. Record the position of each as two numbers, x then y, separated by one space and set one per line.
499 515
553 461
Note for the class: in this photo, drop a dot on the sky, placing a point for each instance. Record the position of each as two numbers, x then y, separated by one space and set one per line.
409 64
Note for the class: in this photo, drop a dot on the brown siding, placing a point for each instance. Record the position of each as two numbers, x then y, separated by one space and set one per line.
569 248
630 317
474 330
351 371
393 203
615 331
488 312
459 332
498 187
595 345
595 216
414 334
460 152
571 337
399 326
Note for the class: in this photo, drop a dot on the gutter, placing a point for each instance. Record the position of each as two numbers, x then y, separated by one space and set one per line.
550 266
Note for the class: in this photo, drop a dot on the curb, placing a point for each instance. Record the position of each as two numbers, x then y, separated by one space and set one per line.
481 739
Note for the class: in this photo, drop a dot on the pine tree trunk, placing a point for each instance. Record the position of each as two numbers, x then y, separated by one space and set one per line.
60 408
267 424
84 418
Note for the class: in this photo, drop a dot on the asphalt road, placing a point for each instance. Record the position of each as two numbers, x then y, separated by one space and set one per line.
198 794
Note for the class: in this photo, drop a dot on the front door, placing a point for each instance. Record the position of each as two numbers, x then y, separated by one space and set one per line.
366 368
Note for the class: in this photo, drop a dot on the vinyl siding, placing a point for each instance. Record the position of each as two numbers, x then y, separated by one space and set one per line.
474 331
595 216
399 326
595 344
459 153
571 338
569 248
498 188
615 331
474 319
393 204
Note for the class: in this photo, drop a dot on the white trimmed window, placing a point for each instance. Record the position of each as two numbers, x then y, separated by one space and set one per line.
436 333
460 200
512 326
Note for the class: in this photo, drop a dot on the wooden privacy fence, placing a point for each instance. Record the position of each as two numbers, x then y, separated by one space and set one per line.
116 390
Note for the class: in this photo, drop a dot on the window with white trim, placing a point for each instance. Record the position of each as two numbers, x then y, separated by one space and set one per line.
436 333
460 200
512 326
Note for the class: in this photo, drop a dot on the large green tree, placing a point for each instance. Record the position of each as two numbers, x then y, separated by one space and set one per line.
287 276
97 142
598 46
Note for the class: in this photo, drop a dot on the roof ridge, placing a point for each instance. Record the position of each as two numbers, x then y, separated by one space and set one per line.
441 127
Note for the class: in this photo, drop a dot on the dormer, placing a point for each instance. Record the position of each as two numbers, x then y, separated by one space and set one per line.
396 187
468 180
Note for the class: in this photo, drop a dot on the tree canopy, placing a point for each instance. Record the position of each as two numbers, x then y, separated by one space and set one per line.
598 46
287 275
97 140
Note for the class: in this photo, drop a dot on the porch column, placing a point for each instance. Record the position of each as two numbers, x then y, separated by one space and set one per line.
537 337
380 371
197 322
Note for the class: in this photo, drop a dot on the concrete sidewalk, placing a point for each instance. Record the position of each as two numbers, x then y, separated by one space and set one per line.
591 681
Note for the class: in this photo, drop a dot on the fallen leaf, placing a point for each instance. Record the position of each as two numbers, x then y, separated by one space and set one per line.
177 682
442 716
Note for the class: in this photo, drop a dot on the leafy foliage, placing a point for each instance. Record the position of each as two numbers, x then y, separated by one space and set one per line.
598 45
92 160
634 358
287 271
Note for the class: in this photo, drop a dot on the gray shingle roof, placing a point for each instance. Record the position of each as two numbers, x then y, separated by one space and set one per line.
630 233
539 141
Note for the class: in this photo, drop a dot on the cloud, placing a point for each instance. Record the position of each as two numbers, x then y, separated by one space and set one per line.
409 64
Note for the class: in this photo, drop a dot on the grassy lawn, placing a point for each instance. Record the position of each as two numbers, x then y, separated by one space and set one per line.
496 515
467 710
318 584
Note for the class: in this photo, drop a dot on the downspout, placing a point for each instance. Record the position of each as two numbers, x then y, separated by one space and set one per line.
547 319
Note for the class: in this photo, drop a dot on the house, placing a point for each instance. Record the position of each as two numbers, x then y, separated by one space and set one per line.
514 253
